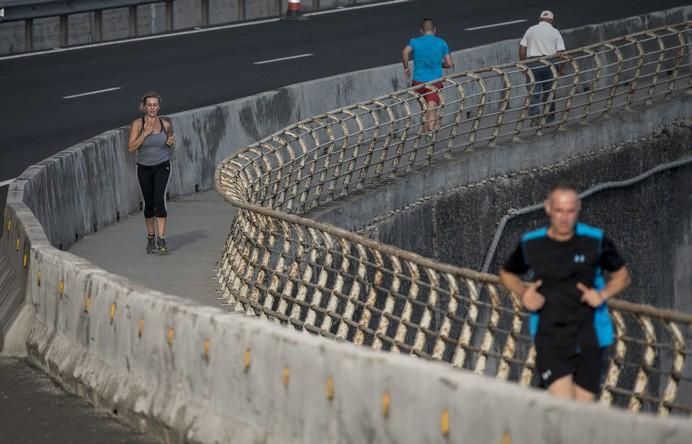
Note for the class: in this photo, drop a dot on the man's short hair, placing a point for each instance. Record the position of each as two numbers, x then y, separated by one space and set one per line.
427 25
562 186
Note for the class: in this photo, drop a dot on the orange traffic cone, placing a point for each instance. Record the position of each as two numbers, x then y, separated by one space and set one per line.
294 11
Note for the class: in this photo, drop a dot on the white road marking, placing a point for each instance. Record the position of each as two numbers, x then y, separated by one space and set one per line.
299 56
4 183
89 93
192 31
495 25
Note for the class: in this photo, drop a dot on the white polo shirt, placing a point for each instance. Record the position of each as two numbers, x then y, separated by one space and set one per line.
542 40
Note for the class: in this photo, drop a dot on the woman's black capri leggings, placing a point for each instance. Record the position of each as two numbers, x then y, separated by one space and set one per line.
153 181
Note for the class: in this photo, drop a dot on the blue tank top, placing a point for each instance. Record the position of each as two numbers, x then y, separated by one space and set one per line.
154 149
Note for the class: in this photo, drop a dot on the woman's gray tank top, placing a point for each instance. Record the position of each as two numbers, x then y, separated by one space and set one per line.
154 149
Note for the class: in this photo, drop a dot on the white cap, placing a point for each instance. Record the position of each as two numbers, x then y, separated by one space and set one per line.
546 15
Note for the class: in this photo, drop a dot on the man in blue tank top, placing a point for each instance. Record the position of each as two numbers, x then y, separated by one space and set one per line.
568 298
430 54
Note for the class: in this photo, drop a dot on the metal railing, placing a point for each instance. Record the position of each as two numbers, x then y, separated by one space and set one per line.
328 281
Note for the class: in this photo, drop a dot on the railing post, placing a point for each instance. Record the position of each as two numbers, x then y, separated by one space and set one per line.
169 15
242 10
204 6
616 79
97 31
132 19
63 30
678 62
29 34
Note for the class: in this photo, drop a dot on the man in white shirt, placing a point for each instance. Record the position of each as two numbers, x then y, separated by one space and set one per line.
542 40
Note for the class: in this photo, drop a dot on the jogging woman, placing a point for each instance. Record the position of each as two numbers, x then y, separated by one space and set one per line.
152 138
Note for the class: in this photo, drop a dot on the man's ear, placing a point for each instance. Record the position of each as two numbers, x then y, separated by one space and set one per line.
546 206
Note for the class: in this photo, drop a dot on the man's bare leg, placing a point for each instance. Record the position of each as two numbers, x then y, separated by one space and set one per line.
431 116
583 395
563 388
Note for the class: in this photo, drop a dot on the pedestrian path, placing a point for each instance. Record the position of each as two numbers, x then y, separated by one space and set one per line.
33 409
196 233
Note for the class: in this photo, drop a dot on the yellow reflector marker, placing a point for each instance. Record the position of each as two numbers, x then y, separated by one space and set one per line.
26 260
386 401
38 278
246 359
444 422
17 245
286 376
207 345
169 336
112 311
506 438
330 388
140 328
61 287
87 303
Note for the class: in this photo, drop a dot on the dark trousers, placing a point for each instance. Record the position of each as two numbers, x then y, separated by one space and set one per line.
541 92
153 181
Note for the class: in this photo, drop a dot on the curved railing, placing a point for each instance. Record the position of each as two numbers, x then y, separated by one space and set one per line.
335 283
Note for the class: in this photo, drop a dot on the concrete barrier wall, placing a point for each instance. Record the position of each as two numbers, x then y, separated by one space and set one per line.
200 374
150 19
197 373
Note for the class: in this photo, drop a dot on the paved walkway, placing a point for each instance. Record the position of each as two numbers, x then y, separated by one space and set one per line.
196 233
34 410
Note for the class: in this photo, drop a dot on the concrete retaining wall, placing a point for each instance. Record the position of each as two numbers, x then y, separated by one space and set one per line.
195 373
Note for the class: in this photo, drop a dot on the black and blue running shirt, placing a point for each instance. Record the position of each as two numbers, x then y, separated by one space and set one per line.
565 321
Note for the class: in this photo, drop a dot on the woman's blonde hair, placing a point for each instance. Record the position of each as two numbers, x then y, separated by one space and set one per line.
149 95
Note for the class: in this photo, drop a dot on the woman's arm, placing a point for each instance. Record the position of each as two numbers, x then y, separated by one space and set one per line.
168 129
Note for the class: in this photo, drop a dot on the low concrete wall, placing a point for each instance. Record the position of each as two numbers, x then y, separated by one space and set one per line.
150 19
199 374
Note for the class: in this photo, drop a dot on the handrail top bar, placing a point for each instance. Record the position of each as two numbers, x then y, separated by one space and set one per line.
441 267
353 237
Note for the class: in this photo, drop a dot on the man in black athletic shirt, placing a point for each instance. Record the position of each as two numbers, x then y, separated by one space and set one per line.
567 299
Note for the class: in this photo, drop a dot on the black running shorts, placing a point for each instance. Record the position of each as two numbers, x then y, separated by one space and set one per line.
584 365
